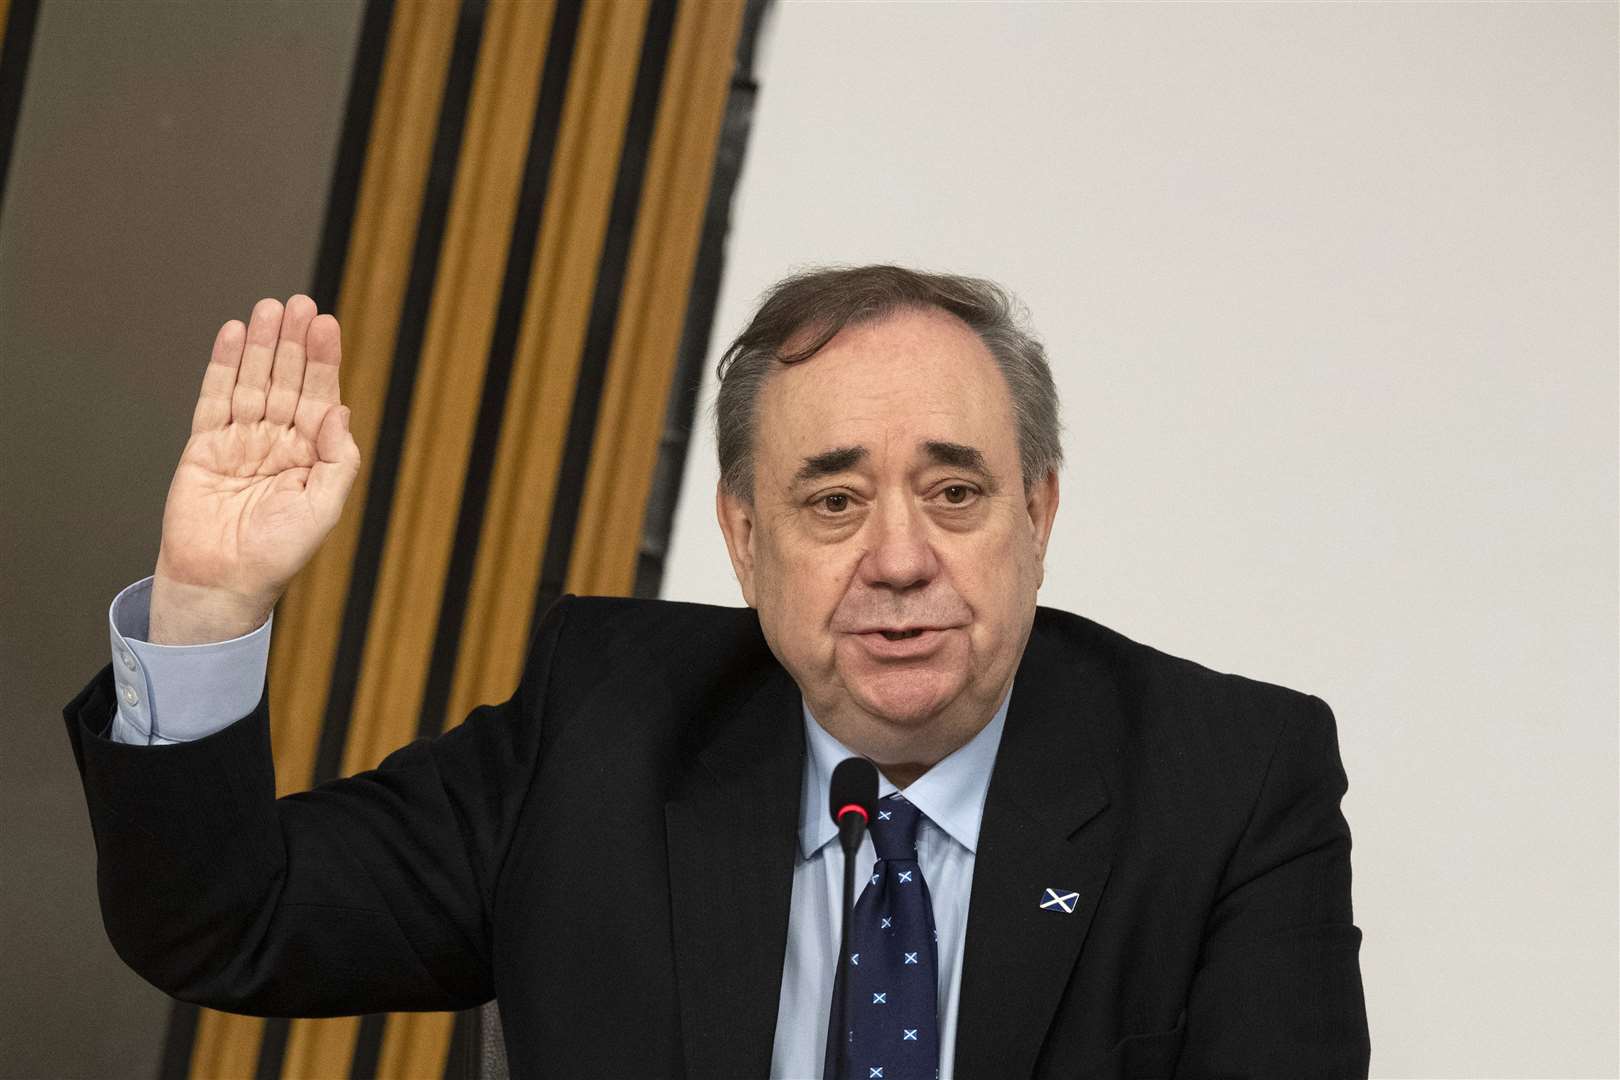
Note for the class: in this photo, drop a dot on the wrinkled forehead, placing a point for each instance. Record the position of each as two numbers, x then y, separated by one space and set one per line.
893 387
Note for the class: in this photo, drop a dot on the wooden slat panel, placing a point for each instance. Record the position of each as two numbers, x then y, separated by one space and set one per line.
444 409
370 304
625 449
449 381
310 615
507 568
320 1048
309 618
415 1045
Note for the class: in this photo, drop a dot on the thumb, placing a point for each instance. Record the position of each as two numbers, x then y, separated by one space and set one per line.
332 477
333 433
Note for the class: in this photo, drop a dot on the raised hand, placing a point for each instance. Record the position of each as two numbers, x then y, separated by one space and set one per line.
262 479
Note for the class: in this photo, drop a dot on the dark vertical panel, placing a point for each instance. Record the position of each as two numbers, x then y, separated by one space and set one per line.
366 72
391 433
491 1043
502 351
141 142
698 324
14 52
178 1041
368 1046
605 303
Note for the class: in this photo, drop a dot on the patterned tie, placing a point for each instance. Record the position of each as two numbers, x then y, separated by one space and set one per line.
892 969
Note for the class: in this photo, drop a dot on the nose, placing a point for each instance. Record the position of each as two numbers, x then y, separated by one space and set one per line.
900 556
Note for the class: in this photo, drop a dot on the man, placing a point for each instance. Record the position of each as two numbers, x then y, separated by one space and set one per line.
1090 858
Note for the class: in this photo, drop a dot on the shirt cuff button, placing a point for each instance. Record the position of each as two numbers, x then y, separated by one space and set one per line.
128 658
130 697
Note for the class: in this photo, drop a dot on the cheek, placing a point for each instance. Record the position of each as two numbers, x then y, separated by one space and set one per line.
998 580
802 590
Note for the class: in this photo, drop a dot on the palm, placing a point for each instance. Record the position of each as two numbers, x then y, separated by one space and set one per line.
270 460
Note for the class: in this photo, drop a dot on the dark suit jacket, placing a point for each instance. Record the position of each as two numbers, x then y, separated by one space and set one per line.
610 854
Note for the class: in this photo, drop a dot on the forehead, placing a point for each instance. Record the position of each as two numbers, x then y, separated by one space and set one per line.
887 385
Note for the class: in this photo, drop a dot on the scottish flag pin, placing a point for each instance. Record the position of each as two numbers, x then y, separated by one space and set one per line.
1060 901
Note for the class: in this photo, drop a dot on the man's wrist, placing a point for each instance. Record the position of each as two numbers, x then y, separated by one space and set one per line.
183 614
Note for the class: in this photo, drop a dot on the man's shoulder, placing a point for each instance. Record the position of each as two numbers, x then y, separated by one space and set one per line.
677 636
1152 677
643 614
1173 721
639 672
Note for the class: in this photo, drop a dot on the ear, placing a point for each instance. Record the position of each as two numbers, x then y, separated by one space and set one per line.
1041 504
737 524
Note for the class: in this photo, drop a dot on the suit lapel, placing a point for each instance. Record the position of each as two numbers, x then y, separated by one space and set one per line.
732 828
1043 829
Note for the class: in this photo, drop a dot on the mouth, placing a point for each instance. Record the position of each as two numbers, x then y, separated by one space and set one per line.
902 644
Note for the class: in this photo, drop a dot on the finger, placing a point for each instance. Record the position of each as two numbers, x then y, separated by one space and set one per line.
333 476
253 377
213 409
287 374
324 348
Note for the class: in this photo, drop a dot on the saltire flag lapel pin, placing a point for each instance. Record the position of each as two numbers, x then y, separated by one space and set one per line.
1060 901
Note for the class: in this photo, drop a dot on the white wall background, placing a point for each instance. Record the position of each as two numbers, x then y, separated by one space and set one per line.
1331 295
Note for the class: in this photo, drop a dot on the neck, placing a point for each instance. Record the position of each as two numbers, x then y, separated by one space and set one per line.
902 775
905 751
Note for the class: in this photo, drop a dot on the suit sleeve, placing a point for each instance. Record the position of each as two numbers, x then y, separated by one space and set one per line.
366 894
1278 988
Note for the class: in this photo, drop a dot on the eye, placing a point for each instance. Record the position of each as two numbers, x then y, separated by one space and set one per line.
836 503
957 494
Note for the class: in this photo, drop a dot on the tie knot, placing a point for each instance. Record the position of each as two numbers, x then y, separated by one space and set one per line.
894 830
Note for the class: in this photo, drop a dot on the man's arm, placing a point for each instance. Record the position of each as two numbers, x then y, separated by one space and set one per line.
1278 989
366 894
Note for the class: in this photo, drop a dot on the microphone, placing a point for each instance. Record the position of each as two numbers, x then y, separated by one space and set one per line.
852 801
852 798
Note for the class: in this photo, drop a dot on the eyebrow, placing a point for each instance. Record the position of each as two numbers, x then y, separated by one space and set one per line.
940 452
830 462
957 456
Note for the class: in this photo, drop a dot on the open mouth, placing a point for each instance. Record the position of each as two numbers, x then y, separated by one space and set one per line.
899 635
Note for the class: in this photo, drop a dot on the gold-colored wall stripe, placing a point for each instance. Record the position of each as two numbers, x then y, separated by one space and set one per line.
663 255
310 615
506 570
449 383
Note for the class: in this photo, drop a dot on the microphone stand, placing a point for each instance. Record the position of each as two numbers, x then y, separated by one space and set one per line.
842 979
852 799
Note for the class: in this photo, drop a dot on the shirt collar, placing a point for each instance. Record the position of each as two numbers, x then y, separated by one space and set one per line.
951 794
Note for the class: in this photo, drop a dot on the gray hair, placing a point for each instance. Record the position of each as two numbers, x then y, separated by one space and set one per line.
818 303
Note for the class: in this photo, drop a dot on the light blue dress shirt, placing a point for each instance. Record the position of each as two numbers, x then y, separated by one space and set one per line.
175 693
951 798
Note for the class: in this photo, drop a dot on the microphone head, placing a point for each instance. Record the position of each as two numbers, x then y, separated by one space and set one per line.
854 784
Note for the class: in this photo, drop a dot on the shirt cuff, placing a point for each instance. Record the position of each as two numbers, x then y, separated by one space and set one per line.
176 693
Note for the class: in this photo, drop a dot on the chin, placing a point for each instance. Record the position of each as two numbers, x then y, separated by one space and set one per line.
907 699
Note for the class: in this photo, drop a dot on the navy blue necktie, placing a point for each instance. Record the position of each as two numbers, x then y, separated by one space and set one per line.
892 971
